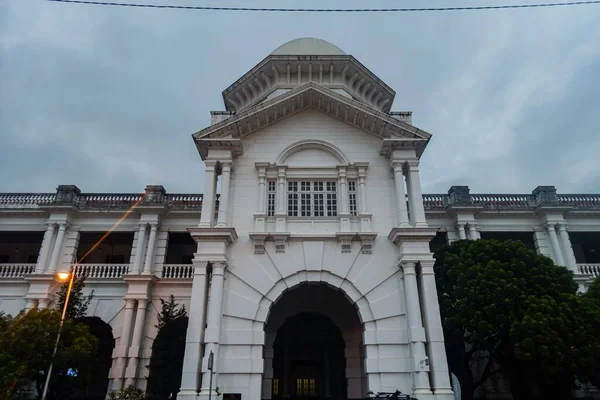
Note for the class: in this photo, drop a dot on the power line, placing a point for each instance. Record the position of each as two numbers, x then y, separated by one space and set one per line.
347 10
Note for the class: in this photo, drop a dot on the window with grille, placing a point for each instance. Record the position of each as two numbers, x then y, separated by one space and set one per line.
275 387
312 199
306 387
352 198
271 198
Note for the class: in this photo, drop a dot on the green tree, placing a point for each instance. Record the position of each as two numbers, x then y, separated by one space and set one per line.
129 393
26 347
589 365
78 303
168 349
518 310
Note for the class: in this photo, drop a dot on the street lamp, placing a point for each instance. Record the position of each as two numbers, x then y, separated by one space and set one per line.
62 277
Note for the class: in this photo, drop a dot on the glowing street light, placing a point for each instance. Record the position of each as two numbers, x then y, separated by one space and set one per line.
62 277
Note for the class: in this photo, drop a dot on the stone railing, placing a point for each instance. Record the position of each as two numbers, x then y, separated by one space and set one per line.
25 200
580 200
177 271
102 271
99 200
435 201
184 201
589 269
16 270
503 201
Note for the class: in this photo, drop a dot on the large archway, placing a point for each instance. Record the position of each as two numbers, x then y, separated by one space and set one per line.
314 346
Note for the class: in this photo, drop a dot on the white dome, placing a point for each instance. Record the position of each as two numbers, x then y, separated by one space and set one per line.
308 47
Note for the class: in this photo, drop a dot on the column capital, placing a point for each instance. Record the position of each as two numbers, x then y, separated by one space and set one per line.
427 267
51 226
62 225
408 267
411 166
142 303
142 225
129 303
218 268
210 165
281 169
226 165
562 226
550 226
153 226
396 165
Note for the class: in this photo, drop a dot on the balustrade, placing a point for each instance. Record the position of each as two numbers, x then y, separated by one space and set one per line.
16 270
589 269
579 200
102 271
177 271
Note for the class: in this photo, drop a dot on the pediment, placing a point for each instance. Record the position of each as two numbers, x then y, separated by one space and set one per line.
393 132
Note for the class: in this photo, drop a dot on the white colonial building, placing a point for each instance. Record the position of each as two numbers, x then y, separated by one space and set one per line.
311 274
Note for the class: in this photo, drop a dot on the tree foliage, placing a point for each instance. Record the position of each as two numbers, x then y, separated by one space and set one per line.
26 347
129 393
168 350
78 303
517 309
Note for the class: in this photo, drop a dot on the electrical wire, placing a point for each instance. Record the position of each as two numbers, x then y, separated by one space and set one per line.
331 10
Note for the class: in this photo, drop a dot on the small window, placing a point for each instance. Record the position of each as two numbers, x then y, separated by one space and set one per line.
275 387
306 387
352 198
271 198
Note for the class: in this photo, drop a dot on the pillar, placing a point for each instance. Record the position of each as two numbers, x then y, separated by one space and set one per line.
438 364
461 231
558 257
566 247
208 198
343 200
280 199
213 326
136 342
31 304
139 249
190 377
362 190
473 234
60 238
262 189
400 195
123 344
46 248
43 304
151 249
416 331
415 197
224 198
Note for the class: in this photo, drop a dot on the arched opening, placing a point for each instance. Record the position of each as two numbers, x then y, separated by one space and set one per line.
314 346
166 362
98 386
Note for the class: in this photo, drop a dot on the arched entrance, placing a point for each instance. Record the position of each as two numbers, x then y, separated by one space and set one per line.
98 385
314 347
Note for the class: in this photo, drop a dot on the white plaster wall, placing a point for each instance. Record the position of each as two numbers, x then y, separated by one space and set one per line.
267 144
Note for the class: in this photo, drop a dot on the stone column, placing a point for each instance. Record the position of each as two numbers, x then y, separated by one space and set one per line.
461 231
280 198
43 304
190 377
46 248
558 257
566 247
262 189
224 199
136 342
140 248
31 304
473 234
400 195
415 197
416 331
208 198
123 344
362 190
58 244
438 364
344 211
212 337
151 250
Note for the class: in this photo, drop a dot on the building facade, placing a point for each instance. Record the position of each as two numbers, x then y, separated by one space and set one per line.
311 273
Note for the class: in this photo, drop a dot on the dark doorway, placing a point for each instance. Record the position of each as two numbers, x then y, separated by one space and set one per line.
309 360
166 362
98 386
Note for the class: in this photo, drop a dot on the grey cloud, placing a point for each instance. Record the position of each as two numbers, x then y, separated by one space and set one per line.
106 98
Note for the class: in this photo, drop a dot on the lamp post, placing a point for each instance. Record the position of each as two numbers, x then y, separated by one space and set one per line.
62 276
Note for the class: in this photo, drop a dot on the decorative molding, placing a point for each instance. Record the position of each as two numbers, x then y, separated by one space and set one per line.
280 239
228 235
345 240
367 242
259 242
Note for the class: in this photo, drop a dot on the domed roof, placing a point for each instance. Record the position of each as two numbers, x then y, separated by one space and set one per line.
308 47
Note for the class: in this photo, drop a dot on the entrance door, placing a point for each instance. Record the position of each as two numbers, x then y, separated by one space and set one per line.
309 361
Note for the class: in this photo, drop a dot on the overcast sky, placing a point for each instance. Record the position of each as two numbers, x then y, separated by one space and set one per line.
107 97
